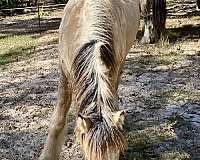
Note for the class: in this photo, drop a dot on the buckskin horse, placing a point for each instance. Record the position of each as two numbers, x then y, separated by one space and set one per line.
94 39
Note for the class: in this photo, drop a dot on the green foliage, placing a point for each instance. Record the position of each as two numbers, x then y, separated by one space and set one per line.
20 3
60 1
41 12
10 3
15 46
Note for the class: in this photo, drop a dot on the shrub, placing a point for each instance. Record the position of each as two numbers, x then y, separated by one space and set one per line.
11 3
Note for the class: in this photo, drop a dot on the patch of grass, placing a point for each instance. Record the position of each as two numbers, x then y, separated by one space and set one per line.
14 46
155 60
181 95
140 141
170 57
163 42
54 41
172 35
152 60
71 115
152 134
185 95
175 155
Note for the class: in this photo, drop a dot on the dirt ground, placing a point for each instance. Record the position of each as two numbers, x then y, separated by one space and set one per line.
160 86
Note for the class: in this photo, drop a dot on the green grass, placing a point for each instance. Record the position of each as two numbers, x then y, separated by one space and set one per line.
53 41
141 141
151 135
163 59
14 46
143 63
180 95
175 155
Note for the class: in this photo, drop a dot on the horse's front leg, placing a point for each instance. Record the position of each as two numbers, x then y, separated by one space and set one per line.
55 137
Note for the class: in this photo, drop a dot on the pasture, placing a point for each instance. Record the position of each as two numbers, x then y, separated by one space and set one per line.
160 85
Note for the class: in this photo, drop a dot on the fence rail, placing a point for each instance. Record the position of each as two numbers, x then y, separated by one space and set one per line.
33 9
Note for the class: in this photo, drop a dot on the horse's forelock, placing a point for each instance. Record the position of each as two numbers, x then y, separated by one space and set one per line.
101 141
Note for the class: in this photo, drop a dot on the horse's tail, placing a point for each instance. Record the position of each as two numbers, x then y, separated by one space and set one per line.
159 18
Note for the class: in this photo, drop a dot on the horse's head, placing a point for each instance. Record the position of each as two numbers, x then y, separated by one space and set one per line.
101 138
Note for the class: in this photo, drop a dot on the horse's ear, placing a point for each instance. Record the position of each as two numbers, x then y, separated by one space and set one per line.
118 118
83 123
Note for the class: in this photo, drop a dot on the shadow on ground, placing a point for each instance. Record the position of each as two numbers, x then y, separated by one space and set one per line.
179 33
30 26
183 32
17 144
164 120
40 91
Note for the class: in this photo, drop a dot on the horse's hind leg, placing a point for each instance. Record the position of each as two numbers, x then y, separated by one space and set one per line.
55 137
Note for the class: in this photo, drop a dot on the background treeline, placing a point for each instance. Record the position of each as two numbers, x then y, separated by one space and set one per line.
26 3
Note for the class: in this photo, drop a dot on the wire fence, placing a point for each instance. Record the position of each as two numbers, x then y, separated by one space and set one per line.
40 10
51 7
12 11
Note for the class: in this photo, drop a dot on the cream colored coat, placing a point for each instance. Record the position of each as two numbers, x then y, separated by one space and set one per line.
83 21
76 27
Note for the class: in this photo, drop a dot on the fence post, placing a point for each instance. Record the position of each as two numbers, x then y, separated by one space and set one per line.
39 14
38 9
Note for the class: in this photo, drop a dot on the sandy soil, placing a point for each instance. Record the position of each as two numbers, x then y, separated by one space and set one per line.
160 85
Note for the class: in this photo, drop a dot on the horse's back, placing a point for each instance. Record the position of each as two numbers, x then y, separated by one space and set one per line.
80 17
